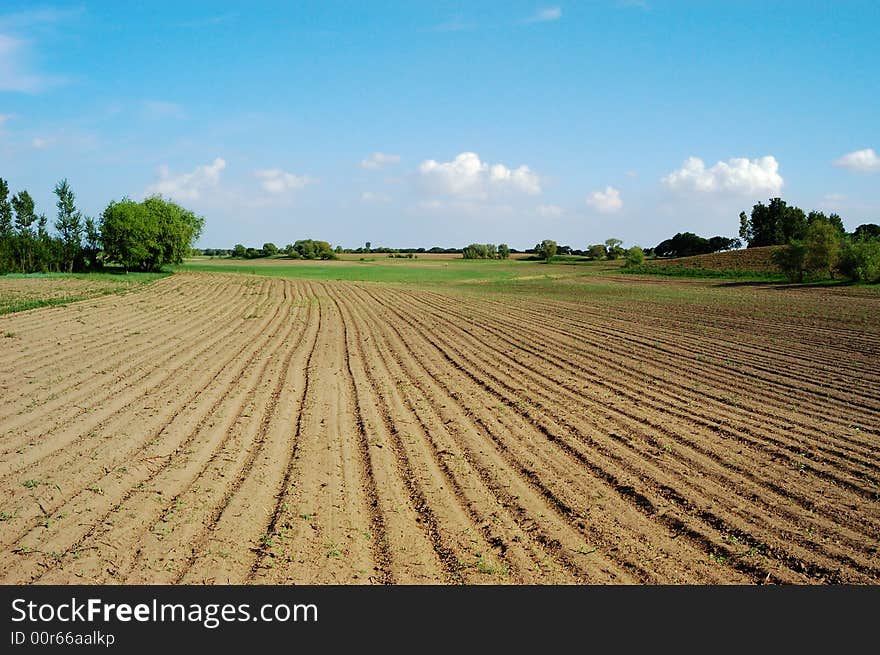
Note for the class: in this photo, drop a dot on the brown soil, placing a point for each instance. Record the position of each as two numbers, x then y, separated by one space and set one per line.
222 428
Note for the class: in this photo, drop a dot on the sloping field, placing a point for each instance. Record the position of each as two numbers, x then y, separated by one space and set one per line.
747 259
223 428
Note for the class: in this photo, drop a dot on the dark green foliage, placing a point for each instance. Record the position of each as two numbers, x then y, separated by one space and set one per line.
311 249
69 224
866 231
823 241
596 251
481 251
688 244
146 236
270 249
833 220
25 243
719 244
772 224
613 249
860 259
791 260
503 251
546 250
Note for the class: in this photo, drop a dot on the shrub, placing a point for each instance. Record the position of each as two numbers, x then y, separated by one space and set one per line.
635 256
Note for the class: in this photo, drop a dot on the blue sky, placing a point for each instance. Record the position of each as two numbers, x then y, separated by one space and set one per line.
411 123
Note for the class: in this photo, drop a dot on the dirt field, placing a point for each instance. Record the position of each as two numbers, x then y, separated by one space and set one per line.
218 428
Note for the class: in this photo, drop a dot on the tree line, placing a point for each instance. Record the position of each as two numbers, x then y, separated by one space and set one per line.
138 236
814 244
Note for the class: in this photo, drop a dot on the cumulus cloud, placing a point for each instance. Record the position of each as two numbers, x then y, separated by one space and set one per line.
736 175
467 176
40 143
546 15
550 211
188 186
275 180
379 160
860 161
607 201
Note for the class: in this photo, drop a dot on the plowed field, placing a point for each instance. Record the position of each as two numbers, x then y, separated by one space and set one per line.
215 428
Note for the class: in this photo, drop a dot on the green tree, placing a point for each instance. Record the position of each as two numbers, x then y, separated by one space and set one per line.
148 235
822 247
596 251
613 249
367 246
791 260
503 251
866 231
238 250
312 249
546 250
773 224
860 259
69 225
93 243
635 256
5 210
832 219
270 249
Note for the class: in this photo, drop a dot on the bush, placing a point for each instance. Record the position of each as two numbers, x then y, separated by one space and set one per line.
860 260
635 256
791 260
503 251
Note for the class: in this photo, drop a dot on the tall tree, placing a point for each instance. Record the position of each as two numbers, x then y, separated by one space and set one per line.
773 224
69 224
5 210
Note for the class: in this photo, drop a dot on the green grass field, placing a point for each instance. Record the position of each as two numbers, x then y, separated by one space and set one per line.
443 271
20 292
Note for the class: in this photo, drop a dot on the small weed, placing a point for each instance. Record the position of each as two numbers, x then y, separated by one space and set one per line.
95 489
9 335
31 484
5 516
484 566
333 550
266 541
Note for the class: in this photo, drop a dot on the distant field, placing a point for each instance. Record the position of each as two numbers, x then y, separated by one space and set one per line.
22 292
504 422
427 269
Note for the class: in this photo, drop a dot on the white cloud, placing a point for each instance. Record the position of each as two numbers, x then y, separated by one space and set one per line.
274 180
14 75
736 175
158 109
607 201
5 117
550 211
860 161
375 197
467 176
546 15
40 143
16 72
188 186
378 160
